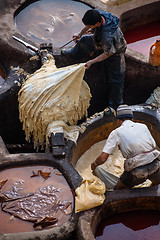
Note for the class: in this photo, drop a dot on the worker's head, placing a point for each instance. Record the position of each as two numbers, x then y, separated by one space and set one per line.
92 18
124 112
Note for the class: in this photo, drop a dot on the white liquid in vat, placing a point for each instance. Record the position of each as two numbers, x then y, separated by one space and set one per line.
114 164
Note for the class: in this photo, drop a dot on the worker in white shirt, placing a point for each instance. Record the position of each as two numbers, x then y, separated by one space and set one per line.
138 148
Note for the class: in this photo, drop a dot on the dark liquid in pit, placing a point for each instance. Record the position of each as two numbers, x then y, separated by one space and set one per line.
11 224
135 225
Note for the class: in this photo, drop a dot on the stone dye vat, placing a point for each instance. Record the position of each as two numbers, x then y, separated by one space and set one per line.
142 224
140 37
116 202
146 15
38 184
138 198
50 21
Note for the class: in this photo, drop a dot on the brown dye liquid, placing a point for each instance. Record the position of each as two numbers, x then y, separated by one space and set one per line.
137 225
11 224
141 38
2 75
51 21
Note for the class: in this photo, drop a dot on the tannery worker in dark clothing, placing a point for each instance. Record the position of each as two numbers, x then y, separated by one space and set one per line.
108 37
137 147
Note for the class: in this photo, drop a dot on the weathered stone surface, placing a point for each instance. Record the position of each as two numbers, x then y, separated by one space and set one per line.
117 202
141 79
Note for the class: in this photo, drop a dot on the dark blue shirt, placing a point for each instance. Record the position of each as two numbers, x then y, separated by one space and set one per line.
109 36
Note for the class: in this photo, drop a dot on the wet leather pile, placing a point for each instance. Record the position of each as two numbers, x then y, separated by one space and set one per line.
52 94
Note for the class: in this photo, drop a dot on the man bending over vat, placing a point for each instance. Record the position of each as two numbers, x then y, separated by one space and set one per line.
137 147
107 37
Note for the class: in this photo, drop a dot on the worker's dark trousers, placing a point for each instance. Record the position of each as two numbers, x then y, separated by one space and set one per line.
114 68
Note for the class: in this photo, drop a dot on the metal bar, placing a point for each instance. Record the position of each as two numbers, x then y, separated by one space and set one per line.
66 43
35 49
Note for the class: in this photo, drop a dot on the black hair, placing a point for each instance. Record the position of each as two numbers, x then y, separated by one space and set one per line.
91 17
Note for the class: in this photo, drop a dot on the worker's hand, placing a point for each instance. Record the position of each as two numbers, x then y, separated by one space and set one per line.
89 31
76 37
93 166
88 64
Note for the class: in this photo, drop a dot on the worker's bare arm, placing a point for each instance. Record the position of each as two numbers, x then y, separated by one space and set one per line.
100 58
100 160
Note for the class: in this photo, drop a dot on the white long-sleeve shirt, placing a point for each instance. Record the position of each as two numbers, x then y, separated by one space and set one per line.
135 142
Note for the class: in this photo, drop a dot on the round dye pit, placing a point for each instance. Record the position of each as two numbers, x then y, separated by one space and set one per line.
141 38
138 198
130 226
34 193
51 21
